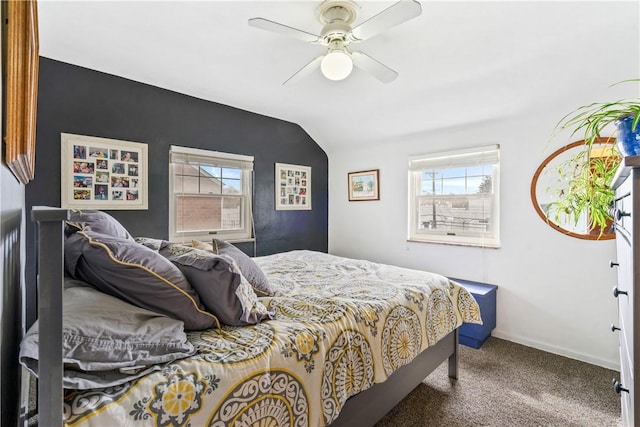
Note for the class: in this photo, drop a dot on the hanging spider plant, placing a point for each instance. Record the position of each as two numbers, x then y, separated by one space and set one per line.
586 178
584 188
588 121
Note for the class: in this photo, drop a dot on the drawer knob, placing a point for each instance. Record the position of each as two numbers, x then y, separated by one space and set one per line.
613 264
617 292
619 213
617 386
614 328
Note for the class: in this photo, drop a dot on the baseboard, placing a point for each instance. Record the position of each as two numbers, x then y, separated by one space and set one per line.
609 364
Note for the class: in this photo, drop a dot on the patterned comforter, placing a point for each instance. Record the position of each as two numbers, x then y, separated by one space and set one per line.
340 326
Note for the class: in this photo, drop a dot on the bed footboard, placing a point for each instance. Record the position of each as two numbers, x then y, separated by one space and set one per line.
369 406
50 231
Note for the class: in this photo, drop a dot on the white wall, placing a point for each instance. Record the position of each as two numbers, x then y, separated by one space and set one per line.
554 291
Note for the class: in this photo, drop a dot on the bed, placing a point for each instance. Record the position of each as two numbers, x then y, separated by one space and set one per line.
345 341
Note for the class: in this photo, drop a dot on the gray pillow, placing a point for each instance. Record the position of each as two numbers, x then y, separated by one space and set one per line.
151 243
250 270
136 274
98 221
221 286
107 341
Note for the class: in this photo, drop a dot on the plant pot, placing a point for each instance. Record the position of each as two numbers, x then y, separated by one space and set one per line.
628 140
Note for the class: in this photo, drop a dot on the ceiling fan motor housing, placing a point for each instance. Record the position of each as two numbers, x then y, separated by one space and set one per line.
337 16
335 31
341 10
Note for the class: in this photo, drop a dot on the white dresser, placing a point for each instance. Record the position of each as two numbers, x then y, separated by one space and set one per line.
627 219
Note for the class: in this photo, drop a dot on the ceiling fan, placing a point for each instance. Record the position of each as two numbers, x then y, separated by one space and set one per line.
336 16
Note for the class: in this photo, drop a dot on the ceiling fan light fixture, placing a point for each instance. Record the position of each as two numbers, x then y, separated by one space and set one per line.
336 65
337 34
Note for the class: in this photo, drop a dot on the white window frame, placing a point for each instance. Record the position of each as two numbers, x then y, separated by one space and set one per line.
453 159
217 159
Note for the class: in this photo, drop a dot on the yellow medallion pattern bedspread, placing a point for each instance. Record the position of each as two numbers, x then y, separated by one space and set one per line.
340 325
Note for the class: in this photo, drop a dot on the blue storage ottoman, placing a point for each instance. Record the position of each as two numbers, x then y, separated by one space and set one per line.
473 335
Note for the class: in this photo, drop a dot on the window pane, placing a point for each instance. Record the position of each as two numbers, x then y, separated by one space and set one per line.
231 213
210 185
452 173
473 184
455 213
198 213
231 186
189 184
231 173
210 171
454 186
182 169
456 181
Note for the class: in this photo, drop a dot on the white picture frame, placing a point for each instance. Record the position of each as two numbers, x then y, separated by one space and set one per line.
292 187
102 173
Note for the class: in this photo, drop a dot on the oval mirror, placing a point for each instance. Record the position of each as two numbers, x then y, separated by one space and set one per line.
546 179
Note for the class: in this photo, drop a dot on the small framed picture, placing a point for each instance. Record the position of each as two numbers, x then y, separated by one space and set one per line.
293 187
364 185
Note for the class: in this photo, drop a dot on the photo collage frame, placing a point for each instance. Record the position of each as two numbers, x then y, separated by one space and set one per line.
101 173
293 187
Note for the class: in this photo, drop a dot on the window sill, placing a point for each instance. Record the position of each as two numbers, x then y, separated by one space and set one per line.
488 245
245 240
209 240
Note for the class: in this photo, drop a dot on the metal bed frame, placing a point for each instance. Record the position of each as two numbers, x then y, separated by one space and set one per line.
363 409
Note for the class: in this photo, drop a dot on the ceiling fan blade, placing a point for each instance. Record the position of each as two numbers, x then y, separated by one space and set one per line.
375 68
395 14
304 71
265 24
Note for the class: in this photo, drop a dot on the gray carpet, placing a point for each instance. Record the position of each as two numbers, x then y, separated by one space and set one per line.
507 384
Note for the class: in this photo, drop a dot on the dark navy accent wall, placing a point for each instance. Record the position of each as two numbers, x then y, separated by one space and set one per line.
77 100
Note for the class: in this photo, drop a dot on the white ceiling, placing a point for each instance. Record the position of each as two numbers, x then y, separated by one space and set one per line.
458 63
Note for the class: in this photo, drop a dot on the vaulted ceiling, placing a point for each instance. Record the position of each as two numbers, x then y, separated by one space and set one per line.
458 62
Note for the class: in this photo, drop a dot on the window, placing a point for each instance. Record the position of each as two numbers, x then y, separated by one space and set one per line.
454 197
210 195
